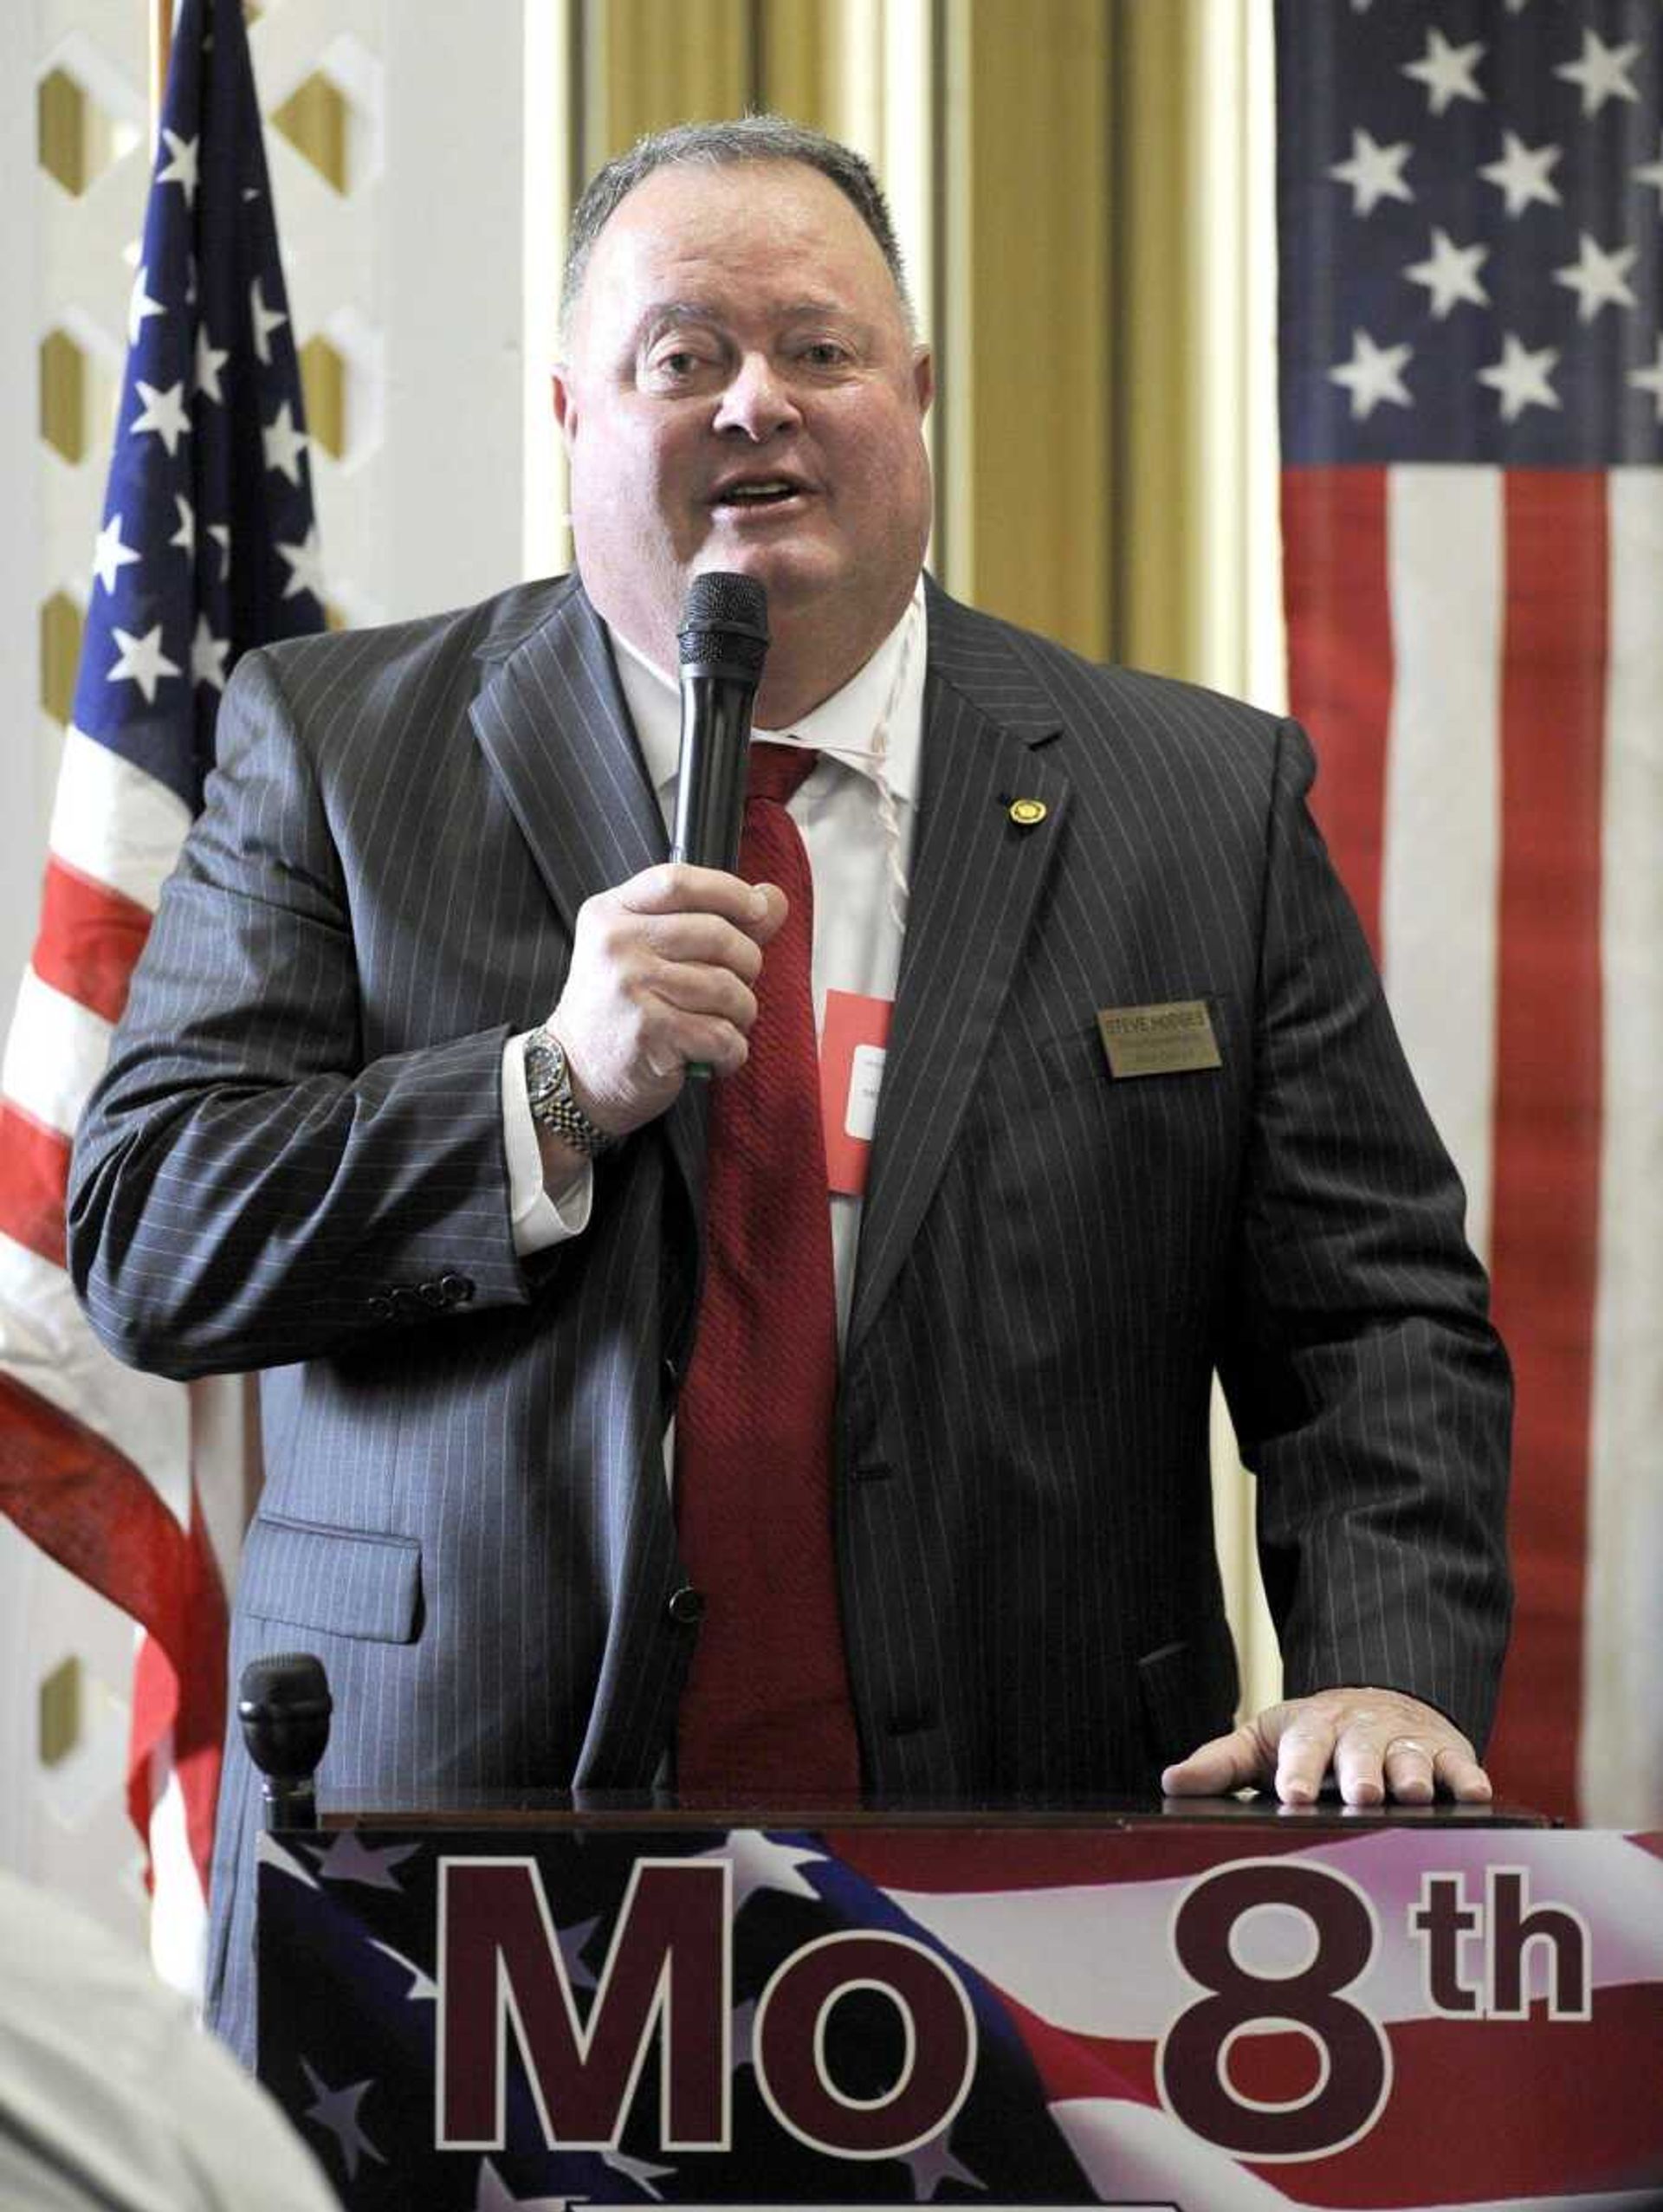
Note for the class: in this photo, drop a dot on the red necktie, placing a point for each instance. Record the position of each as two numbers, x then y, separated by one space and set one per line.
766 1703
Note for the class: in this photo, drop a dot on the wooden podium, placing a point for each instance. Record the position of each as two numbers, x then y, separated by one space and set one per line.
1207 2006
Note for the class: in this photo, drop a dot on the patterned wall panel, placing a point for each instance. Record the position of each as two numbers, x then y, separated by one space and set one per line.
71 1653
398 142
322 85
320 68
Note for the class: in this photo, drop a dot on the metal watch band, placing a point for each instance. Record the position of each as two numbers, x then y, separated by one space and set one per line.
548 1091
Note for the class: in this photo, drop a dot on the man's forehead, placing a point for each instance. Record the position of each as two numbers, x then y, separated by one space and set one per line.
679 308
672 208
679 242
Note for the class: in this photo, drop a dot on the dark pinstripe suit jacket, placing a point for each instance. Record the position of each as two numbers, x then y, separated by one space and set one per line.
295 1163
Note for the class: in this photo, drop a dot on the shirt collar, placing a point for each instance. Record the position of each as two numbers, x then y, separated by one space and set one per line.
843 726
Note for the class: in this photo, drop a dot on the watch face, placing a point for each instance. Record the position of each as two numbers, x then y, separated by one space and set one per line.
549 1093
545 1071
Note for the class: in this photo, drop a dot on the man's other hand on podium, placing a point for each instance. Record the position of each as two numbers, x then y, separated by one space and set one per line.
1378 1744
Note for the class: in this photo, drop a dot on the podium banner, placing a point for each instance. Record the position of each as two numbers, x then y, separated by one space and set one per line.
1214 2017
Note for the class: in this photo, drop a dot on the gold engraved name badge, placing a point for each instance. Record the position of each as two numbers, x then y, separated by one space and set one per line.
1174 1039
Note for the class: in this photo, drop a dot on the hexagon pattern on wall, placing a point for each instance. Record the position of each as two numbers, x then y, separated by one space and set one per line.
316 120
63 395
76 137
93 148
58 1720
324 382
62 623
324 102
323 92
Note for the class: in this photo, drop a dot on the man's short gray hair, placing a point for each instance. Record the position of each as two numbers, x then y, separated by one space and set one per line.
715 145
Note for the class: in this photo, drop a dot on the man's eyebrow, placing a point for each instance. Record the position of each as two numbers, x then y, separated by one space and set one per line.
665 314
662 314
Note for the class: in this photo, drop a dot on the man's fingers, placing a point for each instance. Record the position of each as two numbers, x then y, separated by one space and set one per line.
1379 1744
1214 1769
1301 1759
1406 1769
1410 1770
704 1040
1462 1776
695 989
705 939
778 906
675 887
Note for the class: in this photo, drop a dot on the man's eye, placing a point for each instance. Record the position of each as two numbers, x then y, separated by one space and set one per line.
825 353
678 365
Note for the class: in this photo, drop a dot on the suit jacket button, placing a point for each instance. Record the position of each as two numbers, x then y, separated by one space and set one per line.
406 1303
378 1307
686 1606
456 1290
431 1293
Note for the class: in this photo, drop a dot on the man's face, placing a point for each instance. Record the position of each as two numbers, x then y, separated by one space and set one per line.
742 394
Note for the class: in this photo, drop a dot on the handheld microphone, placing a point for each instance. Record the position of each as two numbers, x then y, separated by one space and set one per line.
284 1705
724 642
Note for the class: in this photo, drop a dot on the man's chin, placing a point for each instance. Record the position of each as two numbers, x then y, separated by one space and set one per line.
789 571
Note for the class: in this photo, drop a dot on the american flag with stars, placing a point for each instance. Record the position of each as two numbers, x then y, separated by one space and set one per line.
1064 1941
209 546
1471 217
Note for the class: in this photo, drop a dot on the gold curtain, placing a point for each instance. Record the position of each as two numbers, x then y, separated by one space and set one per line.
1086 255
641 65
1097 349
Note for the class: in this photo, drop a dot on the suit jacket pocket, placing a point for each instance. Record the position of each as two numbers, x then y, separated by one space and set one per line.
1187 1693
345 1580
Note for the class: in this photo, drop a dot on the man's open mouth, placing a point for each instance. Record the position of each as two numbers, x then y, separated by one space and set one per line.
763 491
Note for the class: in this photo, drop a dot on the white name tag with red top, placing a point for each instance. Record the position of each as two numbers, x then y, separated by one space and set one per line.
853 1046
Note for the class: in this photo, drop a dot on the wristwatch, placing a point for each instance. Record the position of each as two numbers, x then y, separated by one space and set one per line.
548 1090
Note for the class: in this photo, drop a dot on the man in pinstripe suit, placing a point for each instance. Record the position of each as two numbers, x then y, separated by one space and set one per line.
430 848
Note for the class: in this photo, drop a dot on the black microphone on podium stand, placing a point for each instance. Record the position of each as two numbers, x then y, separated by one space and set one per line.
284 1705
724 641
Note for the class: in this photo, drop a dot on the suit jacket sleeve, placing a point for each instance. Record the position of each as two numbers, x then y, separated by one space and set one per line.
246 1190
1370 1394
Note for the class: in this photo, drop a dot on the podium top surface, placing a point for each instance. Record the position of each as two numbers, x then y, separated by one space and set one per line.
647 1810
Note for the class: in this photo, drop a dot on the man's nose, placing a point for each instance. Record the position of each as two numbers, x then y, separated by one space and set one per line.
758 401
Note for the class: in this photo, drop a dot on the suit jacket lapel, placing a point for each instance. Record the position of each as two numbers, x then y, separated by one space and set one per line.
552 721
976 878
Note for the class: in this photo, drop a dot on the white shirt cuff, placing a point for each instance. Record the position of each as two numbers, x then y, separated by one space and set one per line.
538 1217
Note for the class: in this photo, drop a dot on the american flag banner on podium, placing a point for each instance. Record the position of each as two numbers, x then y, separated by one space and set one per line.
208 546
1471 212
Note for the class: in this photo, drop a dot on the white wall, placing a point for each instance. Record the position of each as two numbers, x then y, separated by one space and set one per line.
27 772
418 275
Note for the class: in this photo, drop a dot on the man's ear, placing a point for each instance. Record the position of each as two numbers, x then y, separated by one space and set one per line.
566 404
923 376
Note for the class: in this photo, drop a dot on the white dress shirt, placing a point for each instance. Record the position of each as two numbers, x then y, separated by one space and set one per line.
859 860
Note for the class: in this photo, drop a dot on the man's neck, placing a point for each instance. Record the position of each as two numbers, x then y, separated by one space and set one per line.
808 661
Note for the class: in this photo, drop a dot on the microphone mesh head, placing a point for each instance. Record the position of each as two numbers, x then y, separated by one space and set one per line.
284 1678
725 618
284 1705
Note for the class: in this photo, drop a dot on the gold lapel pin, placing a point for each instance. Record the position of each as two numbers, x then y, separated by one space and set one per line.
1026 812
